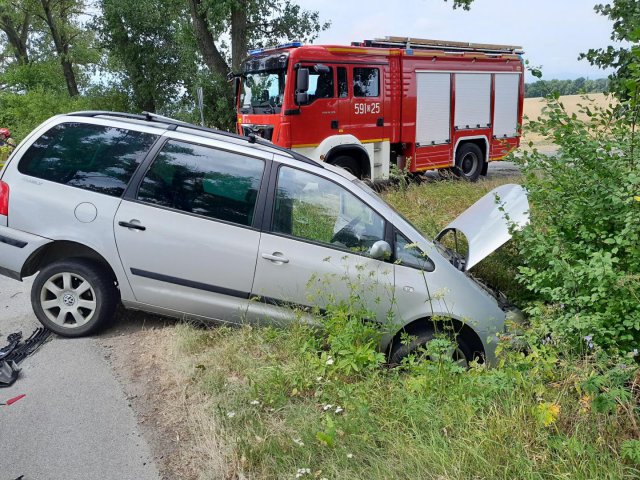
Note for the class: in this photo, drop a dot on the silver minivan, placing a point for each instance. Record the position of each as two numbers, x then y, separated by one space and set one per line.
185 221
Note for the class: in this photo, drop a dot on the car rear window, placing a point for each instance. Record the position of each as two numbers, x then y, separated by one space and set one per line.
91 157
204 181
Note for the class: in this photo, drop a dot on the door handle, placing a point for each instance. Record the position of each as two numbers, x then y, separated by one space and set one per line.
276 257
134 226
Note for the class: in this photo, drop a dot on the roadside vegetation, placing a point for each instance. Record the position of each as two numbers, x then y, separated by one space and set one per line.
296 403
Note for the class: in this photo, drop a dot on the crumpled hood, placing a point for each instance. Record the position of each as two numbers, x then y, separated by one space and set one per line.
486 224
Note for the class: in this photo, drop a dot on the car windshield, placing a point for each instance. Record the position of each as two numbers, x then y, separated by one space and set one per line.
263 91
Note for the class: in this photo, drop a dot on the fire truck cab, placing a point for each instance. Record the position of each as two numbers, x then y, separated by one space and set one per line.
418 104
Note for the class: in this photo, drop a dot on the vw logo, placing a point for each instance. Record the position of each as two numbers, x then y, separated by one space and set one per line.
68 299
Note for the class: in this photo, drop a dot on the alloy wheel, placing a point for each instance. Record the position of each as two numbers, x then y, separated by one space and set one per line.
68 300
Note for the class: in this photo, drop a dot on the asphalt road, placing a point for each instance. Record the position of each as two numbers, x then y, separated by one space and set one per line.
75 421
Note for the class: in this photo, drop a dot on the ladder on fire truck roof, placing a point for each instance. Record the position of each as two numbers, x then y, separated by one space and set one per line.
425 44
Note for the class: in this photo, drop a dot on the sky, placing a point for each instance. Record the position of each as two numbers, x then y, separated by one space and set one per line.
552 32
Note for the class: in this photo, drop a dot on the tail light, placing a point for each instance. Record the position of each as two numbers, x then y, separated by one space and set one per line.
4 199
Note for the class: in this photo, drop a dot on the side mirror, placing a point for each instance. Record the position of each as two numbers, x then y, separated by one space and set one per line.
302 98
302 80
380 250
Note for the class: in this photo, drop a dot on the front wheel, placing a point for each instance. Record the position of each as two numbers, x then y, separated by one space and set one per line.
74 297
350 164
469 161
460 352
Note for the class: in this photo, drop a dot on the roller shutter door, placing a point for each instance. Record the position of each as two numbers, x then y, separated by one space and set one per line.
505 115
433 116
473 100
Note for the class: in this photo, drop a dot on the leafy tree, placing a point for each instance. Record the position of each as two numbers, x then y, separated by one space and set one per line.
542 88
41 33
60 17
464 4
145 49
625 15
15 23
251 23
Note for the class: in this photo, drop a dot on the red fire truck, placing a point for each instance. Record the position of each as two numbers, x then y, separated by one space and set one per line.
419 104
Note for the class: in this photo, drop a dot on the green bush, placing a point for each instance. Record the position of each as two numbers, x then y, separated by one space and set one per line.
22 112
582 249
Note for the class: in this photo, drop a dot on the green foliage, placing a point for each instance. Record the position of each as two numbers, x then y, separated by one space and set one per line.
542 88
582 249
625 15
464 4
23 112
285 403
143 40
630 450
44 75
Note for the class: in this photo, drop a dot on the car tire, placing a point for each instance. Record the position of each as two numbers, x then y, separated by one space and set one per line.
74 297
350 164
469 162
461 354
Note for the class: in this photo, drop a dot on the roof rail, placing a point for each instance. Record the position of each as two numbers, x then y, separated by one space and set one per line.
426 44
173 124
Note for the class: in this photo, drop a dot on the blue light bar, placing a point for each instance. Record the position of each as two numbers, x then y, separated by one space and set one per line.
282 45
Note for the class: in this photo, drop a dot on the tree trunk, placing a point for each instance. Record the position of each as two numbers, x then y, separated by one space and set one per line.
238 34
210 53
62 49
17 38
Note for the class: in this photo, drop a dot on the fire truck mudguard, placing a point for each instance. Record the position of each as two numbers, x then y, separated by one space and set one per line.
419 104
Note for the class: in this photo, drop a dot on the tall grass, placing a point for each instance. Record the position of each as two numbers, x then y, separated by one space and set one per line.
281 413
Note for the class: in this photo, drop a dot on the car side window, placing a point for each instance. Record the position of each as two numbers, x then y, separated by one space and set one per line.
410 255
366 82
91 157
204 181
320 85
313 208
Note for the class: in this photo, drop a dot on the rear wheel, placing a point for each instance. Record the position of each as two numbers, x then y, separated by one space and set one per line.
460 352
469 161
350 164
74 297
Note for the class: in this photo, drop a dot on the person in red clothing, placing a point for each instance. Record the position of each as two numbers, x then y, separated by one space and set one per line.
5 138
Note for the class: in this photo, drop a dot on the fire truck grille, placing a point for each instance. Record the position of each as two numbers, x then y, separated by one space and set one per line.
264 131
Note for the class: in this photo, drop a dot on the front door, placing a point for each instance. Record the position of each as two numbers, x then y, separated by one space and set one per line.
186 238
319 118
316 251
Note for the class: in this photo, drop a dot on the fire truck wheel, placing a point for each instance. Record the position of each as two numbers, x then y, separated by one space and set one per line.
350 164
469 161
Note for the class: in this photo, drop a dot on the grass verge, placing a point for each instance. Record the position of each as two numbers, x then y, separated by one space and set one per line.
282 414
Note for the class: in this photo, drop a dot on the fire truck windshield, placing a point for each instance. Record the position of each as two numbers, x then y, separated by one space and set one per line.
262 91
